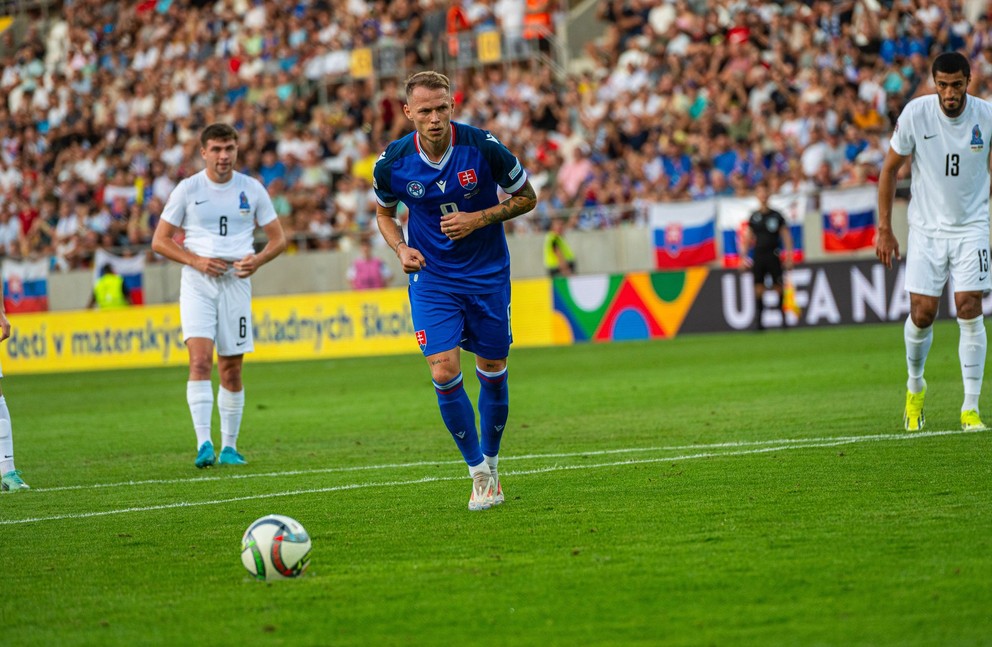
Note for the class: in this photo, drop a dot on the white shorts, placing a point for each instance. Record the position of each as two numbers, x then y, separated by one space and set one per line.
218 309
931 261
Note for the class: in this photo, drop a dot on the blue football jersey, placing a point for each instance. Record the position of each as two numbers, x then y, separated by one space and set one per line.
465 179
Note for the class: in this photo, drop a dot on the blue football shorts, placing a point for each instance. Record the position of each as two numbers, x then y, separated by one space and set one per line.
479 323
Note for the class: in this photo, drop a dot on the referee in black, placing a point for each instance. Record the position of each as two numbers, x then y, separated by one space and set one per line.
766 233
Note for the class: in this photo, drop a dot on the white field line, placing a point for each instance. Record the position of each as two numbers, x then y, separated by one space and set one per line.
823 442
601 452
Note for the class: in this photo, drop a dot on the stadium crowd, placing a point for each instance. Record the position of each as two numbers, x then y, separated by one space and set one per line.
679 99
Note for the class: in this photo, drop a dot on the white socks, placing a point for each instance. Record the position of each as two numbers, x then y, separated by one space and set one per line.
6 439
918 342
200 396
481 468
492 461
971 350
231 405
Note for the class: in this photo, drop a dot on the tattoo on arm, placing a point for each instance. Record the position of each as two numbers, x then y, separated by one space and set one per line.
516 205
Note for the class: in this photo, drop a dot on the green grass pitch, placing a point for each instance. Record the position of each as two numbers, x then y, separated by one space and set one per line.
745 489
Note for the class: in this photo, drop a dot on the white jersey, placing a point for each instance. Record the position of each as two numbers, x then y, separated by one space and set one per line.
219 219
950 187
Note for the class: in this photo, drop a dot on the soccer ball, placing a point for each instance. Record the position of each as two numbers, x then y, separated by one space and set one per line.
275 547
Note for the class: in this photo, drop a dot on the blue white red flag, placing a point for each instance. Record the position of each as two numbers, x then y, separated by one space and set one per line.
25 285
849 218
733 215
684 233
129 268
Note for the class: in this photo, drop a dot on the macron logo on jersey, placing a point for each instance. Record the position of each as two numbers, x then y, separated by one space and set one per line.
468 179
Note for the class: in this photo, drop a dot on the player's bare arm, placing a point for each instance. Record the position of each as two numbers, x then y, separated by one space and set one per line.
4 325
275 245
411 258
461 224
886 245
163 242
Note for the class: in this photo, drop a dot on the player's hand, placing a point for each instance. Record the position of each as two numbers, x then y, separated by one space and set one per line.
413 261
744 264
4 327
246 266
886 247
210 266
458 225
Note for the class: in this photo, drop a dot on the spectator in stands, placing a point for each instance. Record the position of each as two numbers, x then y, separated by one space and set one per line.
10 232
76 106
367 271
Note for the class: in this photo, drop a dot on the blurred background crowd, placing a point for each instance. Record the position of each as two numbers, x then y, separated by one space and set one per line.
103 101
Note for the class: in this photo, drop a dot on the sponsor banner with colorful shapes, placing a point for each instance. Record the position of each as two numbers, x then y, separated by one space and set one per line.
618 307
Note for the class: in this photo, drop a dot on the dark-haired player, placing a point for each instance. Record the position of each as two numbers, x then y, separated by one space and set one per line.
947 135
219 209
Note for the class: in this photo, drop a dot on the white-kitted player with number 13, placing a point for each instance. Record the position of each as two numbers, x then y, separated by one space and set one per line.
219 209
948 136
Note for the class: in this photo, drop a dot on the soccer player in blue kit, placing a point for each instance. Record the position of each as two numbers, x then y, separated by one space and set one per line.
447 174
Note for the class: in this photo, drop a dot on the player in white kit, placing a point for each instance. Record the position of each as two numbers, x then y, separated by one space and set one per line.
947 135
10 478
219 209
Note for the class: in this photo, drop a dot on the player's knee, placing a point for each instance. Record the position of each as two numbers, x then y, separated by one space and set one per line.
230 378
969 307
444 373
200 367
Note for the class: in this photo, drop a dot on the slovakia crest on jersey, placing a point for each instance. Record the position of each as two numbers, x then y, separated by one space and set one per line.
416 189
422 339
976 138
468 179
243 205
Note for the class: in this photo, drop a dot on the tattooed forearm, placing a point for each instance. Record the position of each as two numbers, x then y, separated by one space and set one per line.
517 205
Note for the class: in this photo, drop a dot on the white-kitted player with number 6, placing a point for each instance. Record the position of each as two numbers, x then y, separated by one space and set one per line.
948 136
219 209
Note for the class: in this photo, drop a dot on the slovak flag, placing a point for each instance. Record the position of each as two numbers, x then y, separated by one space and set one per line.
684 233
129 268
25 285
849 218
733 215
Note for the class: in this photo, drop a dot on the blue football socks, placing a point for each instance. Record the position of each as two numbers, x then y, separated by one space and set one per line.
494 407
459 417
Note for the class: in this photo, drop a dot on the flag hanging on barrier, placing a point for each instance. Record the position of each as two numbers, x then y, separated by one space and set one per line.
25 285
733 214
129 268
684 233
849 218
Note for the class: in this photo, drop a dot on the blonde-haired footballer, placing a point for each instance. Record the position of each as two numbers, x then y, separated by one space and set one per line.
219 210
